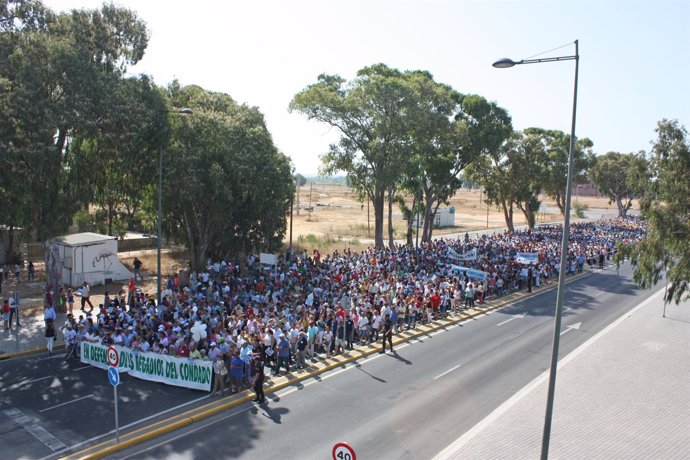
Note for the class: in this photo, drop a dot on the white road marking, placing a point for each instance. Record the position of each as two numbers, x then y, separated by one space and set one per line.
82 368
65 403
572 327
602 292
37 431
447 372
520 316
452 450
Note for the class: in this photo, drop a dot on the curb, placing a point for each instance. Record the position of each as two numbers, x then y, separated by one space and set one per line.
33 351
132 438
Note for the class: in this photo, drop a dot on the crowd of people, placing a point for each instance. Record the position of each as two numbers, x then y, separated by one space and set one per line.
310 307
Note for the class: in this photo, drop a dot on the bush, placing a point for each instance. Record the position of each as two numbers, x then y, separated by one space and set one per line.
580 210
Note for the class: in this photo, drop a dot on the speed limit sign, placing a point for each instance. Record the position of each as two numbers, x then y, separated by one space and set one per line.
343 451
113 356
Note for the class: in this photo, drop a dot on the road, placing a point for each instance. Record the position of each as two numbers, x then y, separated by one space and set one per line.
408 405
413 403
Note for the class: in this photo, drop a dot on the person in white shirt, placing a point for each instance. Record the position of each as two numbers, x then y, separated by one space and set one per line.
70 337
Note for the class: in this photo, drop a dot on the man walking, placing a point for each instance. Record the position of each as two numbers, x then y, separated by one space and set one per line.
86 297
283 355
387 333
13 311
137 269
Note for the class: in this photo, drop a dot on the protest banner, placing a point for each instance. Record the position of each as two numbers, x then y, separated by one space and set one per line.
472 273
527 257
469 255
182 372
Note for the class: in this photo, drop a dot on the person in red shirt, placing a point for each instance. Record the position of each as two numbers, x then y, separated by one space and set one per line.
131 290
435 302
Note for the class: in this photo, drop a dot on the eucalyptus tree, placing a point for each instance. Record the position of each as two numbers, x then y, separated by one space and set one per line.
528 163
478 128
497 174
122 153
54 72
665 252
614 176
554 174
227 188
370 113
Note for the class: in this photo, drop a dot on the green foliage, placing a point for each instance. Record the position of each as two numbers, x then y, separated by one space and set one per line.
227 189
370 112
621 177
666 250
554 162
580 209
300 180
55 74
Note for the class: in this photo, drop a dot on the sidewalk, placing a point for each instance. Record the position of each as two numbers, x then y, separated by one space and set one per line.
30 335
624 394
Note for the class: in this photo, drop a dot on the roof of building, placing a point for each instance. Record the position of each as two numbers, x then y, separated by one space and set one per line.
83 239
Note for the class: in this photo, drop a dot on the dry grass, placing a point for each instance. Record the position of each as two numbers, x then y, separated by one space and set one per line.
338 220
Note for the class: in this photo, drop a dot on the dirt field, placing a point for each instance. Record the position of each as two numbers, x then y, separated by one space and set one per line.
337 220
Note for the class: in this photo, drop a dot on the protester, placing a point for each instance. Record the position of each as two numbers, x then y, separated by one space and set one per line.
137 269
259 382
302 306
49 318
219 371
86 298
6 314
387 334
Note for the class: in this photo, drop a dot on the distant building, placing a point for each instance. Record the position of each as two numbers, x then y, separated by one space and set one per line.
588 190
445 217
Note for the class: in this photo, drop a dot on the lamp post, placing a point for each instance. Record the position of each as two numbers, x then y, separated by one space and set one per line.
505 63
160 205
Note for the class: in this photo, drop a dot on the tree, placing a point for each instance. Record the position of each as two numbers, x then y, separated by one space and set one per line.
227 188
369 112
554 173
528 162
612 175
495 172
666 249
300 180
54 71
125 146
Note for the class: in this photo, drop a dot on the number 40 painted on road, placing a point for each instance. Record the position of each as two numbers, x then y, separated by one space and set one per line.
343 451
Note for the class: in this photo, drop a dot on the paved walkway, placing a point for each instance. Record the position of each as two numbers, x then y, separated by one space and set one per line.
30 336
624 394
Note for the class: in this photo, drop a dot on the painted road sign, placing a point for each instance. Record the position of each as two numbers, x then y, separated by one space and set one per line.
113 376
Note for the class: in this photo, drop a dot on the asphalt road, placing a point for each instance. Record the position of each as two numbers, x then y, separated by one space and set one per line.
414 403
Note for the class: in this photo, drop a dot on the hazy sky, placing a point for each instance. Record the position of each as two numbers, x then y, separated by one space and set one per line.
634 57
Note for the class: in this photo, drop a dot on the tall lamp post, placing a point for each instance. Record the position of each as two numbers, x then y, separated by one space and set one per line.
160 204
505 63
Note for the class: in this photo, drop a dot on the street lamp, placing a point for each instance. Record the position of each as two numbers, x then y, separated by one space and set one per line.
160 202
502 64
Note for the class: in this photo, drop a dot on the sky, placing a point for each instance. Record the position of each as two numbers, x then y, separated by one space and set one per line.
634 67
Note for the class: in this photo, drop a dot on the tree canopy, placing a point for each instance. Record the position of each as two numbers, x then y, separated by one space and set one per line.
620 177
227 188
666 250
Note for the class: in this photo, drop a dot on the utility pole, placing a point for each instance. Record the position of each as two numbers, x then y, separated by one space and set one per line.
298 187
